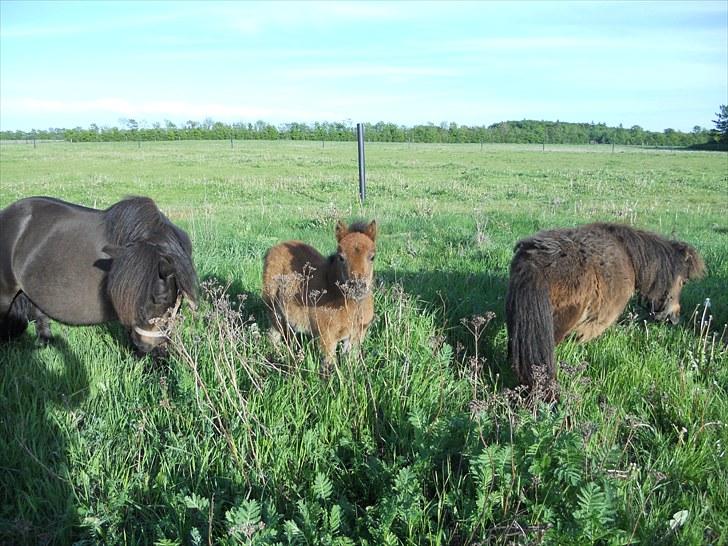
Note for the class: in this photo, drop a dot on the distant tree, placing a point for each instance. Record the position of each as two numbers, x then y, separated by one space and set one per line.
721 124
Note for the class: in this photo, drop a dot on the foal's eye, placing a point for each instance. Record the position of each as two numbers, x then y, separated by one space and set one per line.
371 258
340 257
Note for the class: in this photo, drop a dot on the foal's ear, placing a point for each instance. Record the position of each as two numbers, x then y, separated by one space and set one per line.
371 230
341 231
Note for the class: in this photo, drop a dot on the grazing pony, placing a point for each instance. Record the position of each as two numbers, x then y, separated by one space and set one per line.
329 298
82 266
579 280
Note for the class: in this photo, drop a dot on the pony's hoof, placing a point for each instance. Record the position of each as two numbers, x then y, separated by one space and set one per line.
327 369
274 336
43 341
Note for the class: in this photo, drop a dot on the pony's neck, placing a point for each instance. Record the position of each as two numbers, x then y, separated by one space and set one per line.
649 255
334 283
332 278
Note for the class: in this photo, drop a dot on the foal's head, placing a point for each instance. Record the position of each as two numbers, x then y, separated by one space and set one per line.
353 262
686 265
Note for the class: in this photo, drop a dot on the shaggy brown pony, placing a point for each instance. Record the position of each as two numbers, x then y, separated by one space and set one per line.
329 298
579 280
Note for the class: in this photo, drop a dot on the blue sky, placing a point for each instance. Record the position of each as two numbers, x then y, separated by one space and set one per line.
653 64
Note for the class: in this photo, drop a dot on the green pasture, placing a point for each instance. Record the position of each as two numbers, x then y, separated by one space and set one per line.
420 439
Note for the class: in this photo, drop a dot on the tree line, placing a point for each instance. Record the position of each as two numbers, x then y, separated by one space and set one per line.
517 132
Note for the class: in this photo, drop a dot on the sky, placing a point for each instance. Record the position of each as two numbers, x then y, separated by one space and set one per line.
654 64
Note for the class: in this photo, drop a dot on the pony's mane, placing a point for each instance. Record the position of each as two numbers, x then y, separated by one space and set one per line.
656 260
359 226
134 219
147 239
131 281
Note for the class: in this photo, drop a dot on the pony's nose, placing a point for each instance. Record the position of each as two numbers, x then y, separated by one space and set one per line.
671 313
145 344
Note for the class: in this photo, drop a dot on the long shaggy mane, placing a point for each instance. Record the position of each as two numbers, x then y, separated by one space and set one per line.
657 261
146 238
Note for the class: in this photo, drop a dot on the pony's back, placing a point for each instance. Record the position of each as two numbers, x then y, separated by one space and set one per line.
287 265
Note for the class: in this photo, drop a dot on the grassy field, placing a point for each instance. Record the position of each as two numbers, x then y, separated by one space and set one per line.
421 438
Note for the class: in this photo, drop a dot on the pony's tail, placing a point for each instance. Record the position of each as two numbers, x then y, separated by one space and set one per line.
16 321
530 324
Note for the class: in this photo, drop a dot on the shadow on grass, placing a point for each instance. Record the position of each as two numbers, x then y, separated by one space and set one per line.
455 297
37 503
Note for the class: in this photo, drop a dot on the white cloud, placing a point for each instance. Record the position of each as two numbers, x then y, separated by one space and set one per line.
369 71
112 108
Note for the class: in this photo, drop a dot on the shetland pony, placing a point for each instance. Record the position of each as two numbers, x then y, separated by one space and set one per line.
579 280
329 298
83 266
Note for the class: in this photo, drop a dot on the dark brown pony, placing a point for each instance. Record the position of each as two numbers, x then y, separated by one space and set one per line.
329 298
579 280
81 266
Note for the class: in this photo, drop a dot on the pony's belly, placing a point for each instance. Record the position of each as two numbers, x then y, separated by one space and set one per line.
73 303
593 323
92 313
62 279
589 331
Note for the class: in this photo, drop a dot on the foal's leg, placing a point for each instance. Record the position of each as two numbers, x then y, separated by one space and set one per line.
356 337
274 335
278 331
327 342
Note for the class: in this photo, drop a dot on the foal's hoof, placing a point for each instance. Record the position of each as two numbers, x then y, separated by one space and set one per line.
327 368
275 337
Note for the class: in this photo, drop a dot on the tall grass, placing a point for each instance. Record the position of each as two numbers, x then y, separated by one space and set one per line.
423 438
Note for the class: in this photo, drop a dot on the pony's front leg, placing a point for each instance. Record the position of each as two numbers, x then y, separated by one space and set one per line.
351 346
275 336
354 341
42 326
328 349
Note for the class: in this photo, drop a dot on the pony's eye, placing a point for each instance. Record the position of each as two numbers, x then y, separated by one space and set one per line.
340 257
371 258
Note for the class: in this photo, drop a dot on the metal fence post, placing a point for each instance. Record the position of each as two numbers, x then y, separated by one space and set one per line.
362 172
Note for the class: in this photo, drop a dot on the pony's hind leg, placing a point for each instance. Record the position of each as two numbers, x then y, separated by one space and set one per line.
279 331
13 316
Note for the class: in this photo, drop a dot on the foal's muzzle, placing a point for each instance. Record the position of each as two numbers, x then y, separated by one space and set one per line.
356 288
